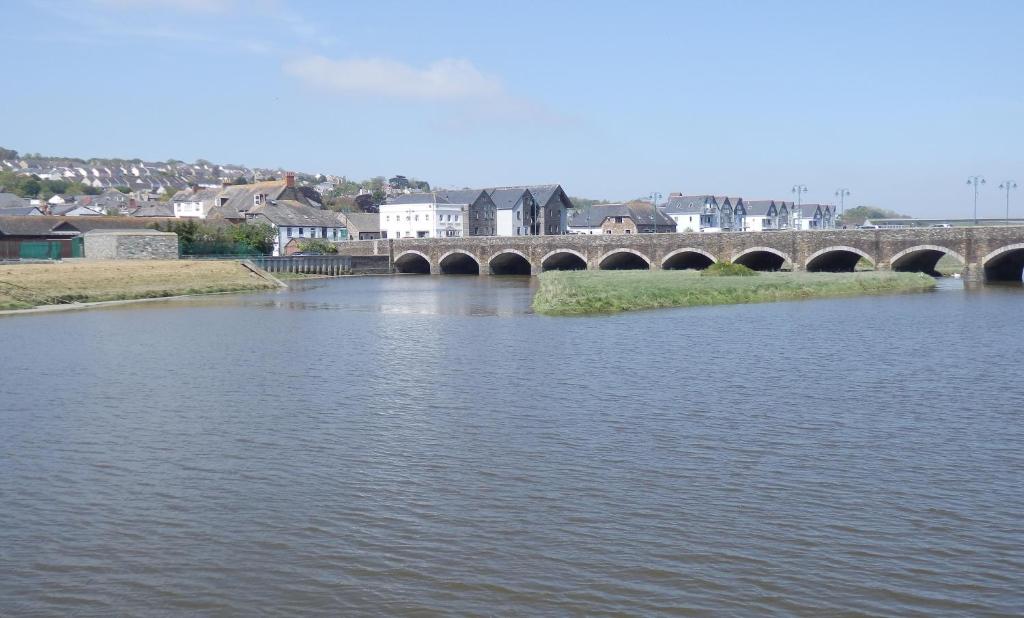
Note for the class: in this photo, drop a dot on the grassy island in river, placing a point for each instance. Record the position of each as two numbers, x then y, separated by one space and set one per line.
23 286
583 292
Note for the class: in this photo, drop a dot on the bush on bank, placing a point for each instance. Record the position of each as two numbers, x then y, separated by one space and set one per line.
580 293
727 269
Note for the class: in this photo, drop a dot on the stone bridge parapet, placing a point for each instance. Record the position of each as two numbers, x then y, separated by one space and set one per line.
987 253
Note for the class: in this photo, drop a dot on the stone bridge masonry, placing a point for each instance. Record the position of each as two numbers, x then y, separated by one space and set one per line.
987 253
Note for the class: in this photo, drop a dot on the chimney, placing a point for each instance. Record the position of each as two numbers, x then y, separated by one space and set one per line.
289 179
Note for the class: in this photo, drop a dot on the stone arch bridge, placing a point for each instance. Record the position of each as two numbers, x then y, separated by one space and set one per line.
986 253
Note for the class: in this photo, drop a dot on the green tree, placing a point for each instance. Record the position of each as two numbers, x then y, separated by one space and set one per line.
259 236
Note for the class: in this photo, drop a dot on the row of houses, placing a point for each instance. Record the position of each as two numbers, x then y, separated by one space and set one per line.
701 213
107 202
537 210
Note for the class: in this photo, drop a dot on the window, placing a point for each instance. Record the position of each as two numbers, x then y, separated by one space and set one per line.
629 231
312 232
387 219
607 231
618 219
417 217
300 231
289 232
427 217
519 215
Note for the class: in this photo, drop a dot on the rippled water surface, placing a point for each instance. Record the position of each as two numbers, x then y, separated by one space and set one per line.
421 445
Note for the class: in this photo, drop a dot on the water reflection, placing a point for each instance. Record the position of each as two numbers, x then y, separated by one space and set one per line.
386 446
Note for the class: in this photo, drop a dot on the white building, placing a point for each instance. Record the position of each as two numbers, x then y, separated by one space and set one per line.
194 204
421 215
439 214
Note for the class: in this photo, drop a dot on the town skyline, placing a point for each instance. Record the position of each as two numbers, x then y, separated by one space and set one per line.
899 104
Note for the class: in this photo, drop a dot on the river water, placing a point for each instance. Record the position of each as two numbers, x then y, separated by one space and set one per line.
426 445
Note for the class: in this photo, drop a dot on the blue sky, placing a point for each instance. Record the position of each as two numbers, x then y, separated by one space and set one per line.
899 101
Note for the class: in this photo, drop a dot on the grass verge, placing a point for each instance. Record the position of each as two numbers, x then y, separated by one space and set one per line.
580 293
23 286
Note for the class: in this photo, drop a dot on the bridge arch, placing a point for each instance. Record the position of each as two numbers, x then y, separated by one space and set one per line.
412 262
687 259
761 258
836 259
624 259
459 262
1005 263
510 262
922 259
563 259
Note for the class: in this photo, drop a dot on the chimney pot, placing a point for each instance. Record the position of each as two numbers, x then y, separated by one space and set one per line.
289 179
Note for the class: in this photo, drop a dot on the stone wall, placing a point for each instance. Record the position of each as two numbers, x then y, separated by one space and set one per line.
130 245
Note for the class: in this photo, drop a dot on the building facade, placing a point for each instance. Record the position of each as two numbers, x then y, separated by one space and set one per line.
439 214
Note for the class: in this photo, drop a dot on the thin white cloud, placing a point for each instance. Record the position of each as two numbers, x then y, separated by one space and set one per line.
444 80
191 6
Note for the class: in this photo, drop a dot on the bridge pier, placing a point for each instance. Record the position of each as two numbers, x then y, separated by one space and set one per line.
973 273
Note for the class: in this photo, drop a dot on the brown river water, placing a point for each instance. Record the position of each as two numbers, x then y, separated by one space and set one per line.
426 445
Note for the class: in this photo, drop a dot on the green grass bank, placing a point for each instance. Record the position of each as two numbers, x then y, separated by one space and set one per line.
580 293
23 286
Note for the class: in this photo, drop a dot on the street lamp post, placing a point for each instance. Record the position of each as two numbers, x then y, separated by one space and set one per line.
1006 186
841 194
799 190
654 211
976 181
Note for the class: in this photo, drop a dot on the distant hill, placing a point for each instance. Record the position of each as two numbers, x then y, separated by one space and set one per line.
857 216
35 175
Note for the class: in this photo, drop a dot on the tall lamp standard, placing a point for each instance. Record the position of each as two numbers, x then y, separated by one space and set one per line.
654 211
1006 186
976 181
799 190
841 194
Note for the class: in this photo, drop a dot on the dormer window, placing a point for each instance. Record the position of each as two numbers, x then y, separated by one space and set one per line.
257 199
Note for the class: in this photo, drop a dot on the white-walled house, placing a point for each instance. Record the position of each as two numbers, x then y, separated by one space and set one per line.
438 214
812 216
764 215
292 219
194 203
706 213
421 215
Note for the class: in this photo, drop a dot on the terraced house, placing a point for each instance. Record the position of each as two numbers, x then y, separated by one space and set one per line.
631 218
706 213
764 215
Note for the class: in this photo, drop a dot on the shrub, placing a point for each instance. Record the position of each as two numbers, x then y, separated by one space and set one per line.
727 269
317 245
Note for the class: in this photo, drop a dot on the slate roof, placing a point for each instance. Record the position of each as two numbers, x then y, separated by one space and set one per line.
362 221
59 210
47 226
642 214
688 204
455 196
149 209
759 208
27 226
10 200
461 196
506 198
20 211
292 213
240 197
